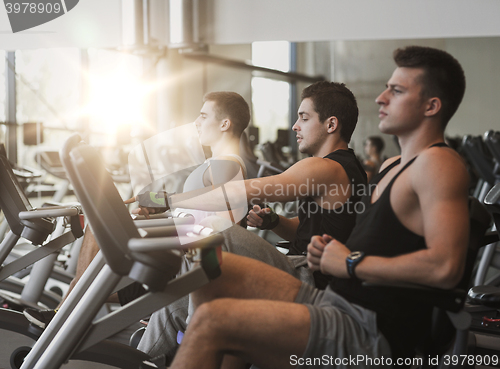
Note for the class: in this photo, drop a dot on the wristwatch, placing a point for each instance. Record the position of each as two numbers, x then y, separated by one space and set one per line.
352 260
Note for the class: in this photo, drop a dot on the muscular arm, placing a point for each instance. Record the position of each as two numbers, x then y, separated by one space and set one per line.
440 182
301 180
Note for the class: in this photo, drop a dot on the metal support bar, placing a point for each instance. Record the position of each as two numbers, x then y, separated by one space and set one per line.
67 307
48 212
10 81
143 306
6 246
292 142
41 270
75 326
272 73
36 255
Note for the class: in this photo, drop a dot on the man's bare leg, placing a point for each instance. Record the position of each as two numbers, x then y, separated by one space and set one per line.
248 278
247 312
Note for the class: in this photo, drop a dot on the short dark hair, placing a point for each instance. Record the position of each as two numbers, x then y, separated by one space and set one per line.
443 76
230 105
378 142
334 99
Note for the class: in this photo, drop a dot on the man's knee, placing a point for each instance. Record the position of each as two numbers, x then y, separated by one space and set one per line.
209 318
215 316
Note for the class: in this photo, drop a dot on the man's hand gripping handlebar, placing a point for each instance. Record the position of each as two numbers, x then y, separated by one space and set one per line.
150 203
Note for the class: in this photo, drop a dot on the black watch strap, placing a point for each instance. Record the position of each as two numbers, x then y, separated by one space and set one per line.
352 260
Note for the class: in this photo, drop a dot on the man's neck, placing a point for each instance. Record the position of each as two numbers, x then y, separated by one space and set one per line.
226 146
326 149
417 141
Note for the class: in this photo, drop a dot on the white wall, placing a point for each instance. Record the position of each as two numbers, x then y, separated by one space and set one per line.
97 23
365 67
244 21
330 27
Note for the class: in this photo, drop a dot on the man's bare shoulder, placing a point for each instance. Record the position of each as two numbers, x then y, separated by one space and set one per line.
331 167
441 167
388 162
440 158
318 169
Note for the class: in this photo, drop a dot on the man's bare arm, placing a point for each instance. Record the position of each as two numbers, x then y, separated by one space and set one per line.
287 228
442 195
308 177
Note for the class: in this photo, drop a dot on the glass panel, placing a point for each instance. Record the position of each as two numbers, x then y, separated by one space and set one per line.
48 87
271 98
272 54
48 92
271 104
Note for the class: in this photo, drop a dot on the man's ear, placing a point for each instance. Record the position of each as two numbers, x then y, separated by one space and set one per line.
225 125
332 124
433 106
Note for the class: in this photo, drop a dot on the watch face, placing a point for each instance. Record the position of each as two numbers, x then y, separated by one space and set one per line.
355 255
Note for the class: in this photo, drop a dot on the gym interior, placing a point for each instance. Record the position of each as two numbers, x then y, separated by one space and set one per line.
128 78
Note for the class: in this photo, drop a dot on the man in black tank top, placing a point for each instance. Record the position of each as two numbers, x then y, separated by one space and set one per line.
327 183
287 323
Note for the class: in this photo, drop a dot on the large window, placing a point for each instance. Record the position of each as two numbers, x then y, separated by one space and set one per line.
48 92
117 93
271 107
271 97
48 87
102 93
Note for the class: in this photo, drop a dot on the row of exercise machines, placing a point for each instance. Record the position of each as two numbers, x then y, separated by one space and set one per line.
152 257
125 256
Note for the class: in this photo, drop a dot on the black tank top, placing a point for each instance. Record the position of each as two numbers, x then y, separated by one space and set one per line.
379 232
338 222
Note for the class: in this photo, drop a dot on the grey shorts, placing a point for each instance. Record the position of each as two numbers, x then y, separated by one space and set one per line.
342 335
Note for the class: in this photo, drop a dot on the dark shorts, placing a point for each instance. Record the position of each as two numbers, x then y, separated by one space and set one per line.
342 334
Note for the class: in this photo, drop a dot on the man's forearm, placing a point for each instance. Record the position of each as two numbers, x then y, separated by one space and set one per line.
287 228
236 193
199 199
417 267
219 198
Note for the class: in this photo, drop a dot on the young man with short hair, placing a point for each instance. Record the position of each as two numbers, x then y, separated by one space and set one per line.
223 117
327 184
415 229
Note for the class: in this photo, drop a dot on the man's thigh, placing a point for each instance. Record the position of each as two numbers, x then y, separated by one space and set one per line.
239 241
342 334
